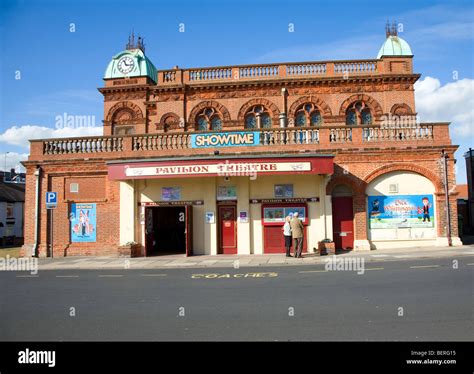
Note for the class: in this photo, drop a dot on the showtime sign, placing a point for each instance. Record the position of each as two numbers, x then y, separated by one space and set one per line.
234 167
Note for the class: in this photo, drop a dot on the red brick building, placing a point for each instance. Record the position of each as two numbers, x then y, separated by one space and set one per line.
211 160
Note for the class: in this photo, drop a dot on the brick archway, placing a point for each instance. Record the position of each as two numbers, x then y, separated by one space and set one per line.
401 110
208 104
168 121
266 103
357 186
437 183
368 100
320 104
124 111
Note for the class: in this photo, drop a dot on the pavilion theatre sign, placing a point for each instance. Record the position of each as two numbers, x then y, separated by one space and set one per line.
224 167
225 139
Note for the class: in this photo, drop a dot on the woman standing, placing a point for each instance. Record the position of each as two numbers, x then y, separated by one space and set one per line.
287 235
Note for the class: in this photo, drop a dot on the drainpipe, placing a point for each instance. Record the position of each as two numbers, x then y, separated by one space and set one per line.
37 197
446 197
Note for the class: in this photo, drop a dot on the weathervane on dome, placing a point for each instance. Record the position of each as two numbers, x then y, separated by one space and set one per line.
138 45
391 30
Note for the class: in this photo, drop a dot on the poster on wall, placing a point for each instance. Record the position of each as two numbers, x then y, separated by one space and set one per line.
170 193
296 209
226 193
274 214
401 211
283 190
83 223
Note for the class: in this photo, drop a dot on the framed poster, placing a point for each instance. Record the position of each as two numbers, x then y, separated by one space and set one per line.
226 193
283 191
401 211
170 193
289 211
274 214
83 222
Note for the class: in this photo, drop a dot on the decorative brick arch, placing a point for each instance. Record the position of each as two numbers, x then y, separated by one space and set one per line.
320 104
405 167
168 121
209 104
275 112
401 110
357 186
368 100
124 112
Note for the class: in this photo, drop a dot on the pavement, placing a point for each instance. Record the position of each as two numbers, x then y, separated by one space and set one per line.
236 261
422 299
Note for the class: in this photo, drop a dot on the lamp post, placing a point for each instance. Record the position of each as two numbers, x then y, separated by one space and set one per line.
445 157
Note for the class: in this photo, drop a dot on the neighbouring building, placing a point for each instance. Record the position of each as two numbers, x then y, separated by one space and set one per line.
469 157
12 201
211 160
463 211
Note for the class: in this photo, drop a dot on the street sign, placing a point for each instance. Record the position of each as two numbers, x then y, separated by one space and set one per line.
51 200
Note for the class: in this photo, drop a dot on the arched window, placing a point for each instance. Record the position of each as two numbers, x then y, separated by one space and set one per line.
209 119
258 117
358 114
308 115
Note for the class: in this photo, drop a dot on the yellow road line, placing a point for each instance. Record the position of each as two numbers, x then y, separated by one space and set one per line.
313 271
67 276
424 266
27 276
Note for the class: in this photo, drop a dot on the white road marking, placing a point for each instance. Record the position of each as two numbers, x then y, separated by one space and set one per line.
470 264
109 275
153 275
373 269
424 266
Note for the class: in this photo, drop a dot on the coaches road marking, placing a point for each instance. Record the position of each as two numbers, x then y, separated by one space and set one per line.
424 266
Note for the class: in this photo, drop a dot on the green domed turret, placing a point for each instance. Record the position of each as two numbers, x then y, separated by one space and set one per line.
394 45
131 63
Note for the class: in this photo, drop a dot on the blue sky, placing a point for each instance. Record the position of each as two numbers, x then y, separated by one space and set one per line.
60 70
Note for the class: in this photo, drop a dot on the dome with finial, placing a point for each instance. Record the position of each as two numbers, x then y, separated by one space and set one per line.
394 45
131 62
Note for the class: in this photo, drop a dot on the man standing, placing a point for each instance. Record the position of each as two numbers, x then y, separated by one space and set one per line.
297 233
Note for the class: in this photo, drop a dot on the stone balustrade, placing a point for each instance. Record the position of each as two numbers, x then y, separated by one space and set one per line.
296 139
191 76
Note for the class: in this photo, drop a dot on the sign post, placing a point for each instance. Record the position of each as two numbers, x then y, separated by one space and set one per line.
51 203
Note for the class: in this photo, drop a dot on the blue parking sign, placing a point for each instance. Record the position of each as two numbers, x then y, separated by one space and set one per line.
51 200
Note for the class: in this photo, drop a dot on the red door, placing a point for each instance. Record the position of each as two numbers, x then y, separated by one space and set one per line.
343 222
188 233
227 229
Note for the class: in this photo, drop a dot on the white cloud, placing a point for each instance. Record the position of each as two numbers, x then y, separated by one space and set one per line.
19 135
12 160
452 102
